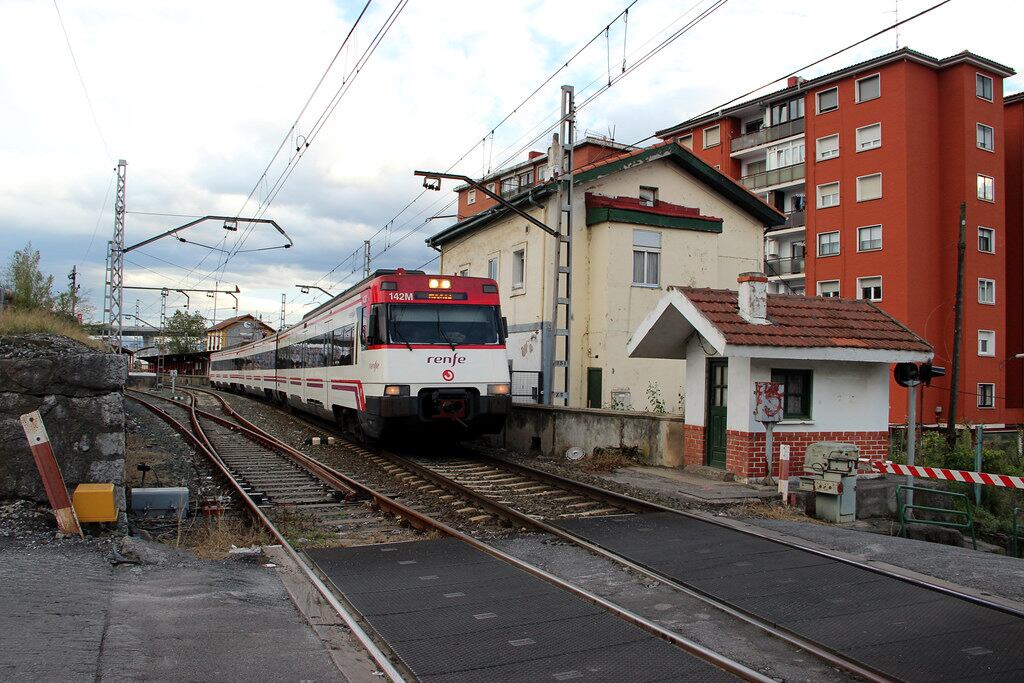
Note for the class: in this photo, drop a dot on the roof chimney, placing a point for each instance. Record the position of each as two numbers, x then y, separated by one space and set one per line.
753 297
793 81
535 154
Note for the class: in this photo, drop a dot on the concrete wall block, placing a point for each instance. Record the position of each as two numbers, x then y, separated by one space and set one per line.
82 374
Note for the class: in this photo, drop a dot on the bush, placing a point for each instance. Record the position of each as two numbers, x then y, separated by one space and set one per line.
16 321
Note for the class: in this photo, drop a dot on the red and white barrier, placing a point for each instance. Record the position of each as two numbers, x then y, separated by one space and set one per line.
1004 480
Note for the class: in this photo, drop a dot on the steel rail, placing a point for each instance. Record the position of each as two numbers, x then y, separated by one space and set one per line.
656 507
328 595
692 647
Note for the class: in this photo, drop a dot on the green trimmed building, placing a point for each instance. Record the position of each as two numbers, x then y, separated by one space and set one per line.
643 220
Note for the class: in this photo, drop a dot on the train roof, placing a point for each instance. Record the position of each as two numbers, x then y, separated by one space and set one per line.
375 274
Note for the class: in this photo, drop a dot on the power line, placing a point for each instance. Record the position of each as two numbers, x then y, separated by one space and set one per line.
99 218
81 80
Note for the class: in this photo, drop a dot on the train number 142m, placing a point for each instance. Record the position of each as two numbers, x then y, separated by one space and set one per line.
400 296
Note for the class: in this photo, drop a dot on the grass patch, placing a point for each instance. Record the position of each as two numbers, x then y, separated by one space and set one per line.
302 530
772 510
212 539
16 321
610 459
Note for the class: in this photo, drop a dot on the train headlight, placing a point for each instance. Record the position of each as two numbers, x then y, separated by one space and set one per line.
498 389
439 283
396 390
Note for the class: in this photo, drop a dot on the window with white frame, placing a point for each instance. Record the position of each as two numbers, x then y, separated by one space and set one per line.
986 395
986 240
986 137
869 187
464 270
648 196
869 288
828 243
786 154
869 137
827 147
646 258
869 238
712 136
983 87
828 100
490 187
471 197
828 195
686 141
986 291
869 88
492 267
518 268
986 342
829 288
986 188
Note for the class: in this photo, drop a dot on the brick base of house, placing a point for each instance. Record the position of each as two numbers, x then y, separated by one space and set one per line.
745 455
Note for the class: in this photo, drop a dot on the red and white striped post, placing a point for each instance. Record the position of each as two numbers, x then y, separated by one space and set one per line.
49 470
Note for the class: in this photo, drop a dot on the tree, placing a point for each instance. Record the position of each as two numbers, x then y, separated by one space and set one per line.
32 289
186 332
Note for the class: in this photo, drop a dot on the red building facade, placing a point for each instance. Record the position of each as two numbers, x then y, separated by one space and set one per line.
871 164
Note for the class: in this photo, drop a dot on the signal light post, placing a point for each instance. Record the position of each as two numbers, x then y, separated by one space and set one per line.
911 375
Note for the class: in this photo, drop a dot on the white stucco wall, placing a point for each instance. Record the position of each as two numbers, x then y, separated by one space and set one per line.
845 395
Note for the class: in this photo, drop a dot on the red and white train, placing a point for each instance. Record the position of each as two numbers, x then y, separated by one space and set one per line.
399 350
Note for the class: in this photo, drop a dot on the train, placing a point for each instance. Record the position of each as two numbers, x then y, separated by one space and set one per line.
399 353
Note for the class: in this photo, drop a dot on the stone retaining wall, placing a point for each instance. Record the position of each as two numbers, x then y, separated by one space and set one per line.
79 392
658 437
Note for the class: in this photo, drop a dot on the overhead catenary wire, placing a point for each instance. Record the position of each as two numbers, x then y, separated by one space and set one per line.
81 80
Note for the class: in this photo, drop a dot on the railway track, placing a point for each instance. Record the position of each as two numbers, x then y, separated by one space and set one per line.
313 484
532 498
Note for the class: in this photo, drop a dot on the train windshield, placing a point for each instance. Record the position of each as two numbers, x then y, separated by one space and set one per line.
454 325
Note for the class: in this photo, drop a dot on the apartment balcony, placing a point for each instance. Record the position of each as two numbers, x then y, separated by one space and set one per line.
776 176
783 267
769 134
795 219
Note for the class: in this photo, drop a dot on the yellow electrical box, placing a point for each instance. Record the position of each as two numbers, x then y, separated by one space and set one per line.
94 503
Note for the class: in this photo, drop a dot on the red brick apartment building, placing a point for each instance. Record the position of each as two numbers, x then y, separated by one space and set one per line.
870 163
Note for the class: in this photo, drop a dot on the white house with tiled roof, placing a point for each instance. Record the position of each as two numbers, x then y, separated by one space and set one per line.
832 356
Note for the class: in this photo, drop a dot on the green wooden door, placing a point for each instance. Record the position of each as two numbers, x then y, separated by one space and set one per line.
593 387
717 399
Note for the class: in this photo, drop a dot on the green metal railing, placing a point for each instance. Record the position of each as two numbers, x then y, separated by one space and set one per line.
966 514
1017 533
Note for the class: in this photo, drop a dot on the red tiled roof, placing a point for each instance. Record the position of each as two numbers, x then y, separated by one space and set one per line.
803 321
238 318
660 208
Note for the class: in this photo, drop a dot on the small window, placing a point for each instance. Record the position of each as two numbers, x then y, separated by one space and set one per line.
828 243
869 187
986 138
471 196
796 386
829 288
492 268
986 188
986 240
464 271
827 147
983 87
490 187
986 395
518 268
869 238
869 137
686 141
986 291
869 88
648 196
646 258
986 342
712 136
828 100
828 195
870 288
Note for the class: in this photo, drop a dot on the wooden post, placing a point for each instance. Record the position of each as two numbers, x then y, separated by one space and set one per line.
53 481
958 323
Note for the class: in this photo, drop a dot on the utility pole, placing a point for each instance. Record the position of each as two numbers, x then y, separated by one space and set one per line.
958 323
73 277
162 343
561 310
115 262
283 304
366 258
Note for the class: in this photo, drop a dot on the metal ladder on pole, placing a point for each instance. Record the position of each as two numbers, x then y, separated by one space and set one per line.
562 311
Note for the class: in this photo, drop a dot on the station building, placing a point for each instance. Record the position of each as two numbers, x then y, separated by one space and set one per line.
870 164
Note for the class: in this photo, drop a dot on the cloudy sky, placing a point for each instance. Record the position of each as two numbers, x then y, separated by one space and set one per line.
197 96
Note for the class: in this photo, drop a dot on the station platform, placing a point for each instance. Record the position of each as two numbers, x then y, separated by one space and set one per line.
903 630
453 613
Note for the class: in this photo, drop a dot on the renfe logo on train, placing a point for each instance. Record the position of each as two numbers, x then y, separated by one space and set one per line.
452 360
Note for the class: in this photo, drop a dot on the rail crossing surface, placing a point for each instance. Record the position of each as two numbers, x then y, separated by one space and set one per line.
902 630
453 613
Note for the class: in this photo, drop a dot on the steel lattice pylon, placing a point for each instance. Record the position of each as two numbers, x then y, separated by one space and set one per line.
114 307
